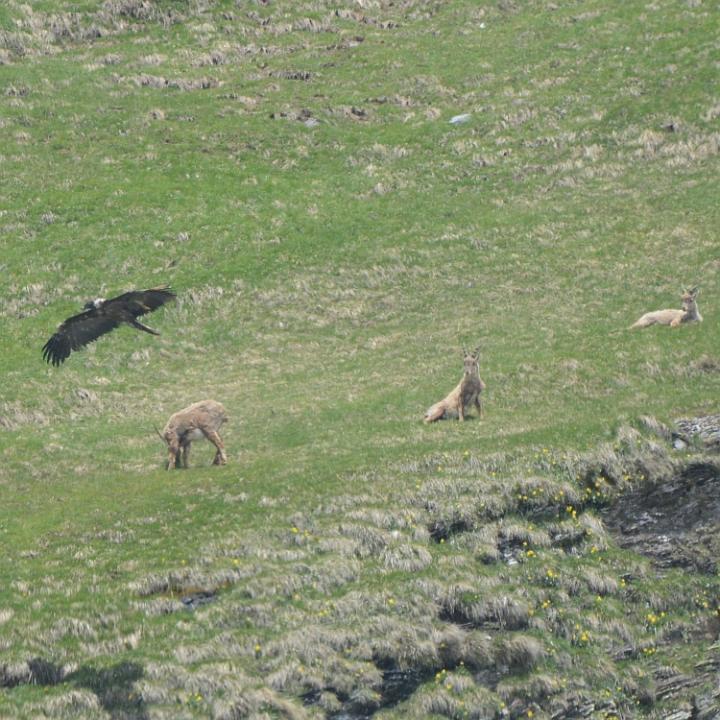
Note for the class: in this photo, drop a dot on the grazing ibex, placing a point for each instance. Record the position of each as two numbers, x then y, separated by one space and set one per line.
199 420
466 393
673 318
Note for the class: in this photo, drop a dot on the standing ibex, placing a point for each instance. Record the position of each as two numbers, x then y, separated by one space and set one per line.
673 318
201 419
466 393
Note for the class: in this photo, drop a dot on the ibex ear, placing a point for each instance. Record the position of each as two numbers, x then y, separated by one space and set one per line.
694 292
465 352
476 352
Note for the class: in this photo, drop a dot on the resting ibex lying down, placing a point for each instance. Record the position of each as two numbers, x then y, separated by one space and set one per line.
673 318
199 420
466 393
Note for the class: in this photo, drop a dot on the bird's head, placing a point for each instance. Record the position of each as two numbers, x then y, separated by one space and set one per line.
94 304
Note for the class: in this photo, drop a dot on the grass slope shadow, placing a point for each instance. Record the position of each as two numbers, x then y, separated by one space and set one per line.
113 686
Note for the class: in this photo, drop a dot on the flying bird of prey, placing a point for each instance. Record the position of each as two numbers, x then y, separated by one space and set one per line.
100 316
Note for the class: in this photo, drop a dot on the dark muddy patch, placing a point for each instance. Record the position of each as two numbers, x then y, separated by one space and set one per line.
397 685
568 539
675 523
441 530
196 599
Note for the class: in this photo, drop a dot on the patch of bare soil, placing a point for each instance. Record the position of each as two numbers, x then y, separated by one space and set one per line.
675 522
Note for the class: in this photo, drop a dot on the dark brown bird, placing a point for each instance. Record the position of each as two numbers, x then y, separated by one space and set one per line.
100 316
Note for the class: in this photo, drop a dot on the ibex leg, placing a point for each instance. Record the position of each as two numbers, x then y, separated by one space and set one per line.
186 455
214 438
173 457
478 405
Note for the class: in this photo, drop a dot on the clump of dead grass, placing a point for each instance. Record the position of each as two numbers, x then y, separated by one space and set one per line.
632 458
472 606
454 696
405 557
520 652
75 703
160 82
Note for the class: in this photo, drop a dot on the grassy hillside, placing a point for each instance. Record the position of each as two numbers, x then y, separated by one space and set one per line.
291 168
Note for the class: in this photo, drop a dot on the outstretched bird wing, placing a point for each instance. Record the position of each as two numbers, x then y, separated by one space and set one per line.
76 331
139 302
89 325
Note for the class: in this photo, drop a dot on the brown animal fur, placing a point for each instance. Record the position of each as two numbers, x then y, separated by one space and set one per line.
673 318
201 419
466 393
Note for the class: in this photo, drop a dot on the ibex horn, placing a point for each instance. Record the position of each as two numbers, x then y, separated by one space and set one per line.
160 435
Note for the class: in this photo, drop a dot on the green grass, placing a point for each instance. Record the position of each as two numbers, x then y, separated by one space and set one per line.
327 278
